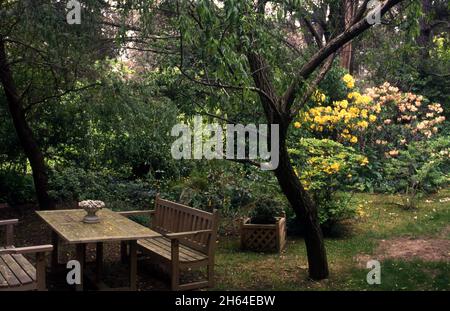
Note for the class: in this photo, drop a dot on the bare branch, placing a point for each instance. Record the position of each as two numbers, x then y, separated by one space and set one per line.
246 161
313 84
43 100
331 47
360 11
314 32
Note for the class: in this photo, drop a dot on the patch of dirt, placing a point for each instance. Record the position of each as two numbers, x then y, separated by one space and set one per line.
426 249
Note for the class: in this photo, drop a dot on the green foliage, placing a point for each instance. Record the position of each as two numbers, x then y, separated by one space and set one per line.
225 186
418 58
423 167
334 208
16 187
73 184
123 126
332 84
327 167
265 211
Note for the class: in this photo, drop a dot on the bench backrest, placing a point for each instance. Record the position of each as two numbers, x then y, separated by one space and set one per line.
173 217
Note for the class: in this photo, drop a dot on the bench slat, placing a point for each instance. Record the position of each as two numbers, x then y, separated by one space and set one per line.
18 271
148 245
26 265
3 282
8 274
186 254
162 247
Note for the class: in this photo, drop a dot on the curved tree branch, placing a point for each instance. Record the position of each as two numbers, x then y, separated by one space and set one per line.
331 47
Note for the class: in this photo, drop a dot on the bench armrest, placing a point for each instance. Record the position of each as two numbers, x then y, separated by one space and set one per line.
27 250
137 213
178 235
9 222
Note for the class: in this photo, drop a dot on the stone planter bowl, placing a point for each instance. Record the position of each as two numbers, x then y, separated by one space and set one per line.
91 207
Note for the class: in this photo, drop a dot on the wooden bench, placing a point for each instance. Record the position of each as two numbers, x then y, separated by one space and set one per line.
188 241
16 272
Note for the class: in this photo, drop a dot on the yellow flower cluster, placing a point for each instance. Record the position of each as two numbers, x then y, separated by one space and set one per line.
346 116
319 97
324 165
364 161
333 168
360 211
349 81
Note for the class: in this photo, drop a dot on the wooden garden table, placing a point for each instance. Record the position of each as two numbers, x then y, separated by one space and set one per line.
68 225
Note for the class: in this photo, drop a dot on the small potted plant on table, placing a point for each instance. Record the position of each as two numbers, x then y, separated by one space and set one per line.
265 229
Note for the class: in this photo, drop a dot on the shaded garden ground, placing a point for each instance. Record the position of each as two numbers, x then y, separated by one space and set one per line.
412 245
382 221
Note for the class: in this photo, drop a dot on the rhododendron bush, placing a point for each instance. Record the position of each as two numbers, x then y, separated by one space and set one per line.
404 118
383 118
324 166
380 124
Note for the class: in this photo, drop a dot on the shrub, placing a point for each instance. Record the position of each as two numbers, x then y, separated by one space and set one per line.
265 212
404 118
423 167
75 184
384 124
326 167
16 188
340 120
383 118
225 186
333 208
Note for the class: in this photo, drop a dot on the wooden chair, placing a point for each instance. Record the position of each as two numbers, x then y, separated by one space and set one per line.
16 272
188 241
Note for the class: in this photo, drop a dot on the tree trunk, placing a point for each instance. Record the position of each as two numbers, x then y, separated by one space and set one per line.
300 201
347 50
306 210
24 132
424 37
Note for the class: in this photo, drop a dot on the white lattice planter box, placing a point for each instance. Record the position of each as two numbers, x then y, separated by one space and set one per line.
263 238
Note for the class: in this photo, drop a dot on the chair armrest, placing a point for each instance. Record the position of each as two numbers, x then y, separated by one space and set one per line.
178 235
136 213
9 222
27 250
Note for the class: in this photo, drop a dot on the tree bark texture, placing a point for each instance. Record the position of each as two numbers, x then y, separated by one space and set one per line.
24 132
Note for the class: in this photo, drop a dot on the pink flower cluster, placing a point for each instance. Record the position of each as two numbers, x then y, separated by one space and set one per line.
404 117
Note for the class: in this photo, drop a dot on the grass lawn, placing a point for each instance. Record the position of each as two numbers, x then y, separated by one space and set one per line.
380 233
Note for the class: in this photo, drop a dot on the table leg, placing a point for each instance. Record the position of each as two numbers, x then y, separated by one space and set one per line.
124 251
99 261
55 242
133 264
81 257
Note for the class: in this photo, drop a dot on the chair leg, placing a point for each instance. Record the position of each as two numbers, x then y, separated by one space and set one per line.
210 271
175 268
175 279
40 272
124 251
133 265
81 257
